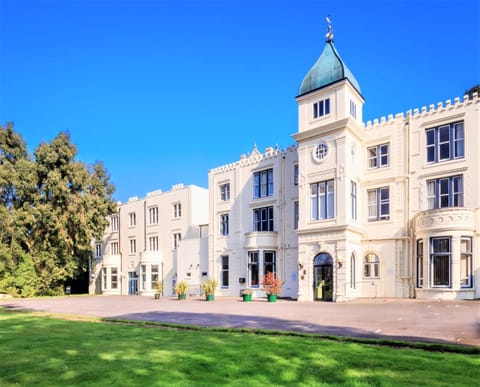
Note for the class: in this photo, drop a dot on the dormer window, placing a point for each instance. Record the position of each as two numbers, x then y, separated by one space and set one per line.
321 108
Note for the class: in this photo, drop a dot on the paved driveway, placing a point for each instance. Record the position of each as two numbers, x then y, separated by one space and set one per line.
425 320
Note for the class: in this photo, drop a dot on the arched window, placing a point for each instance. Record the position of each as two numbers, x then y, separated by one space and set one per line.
371 266
353 280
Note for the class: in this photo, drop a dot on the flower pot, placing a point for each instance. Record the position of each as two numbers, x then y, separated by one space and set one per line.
272 297
182 296
247 297
210 297
157 296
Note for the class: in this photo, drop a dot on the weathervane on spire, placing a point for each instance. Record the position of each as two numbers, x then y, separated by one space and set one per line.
329 34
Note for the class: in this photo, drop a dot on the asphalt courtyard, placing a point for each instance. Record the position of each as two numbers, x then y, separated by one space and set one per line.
456 322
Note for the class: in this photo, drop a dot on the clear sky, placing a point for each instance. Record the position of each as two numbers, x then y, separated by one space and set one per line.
162 91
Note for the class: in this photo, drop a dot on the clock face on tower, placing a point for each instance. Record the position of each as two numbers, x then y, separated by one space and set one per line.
320 151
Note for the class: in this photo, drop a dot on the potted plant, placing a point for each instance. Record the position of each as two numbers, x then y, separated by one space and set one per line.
272 286
181 289
158 286
209 286
247 295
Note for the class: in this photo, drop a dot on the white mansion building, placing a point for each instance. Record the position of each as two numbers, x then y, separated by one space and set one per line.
383 209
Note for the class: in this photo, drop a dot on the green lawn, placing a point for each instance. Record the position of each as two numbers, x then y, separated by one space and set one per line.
38 350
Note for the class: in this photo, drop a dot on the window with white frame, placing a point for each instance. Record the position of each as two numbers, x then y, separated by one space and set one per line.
440 261
177 237
224 272
153 215
353 199
132 246
154 276
445 192
259 264
322 200
263 183
114 223
177 210
321 108
371 266
320 151
132 219
378 156
269 262
466 263
98 250
295 174
143 277
378 204
296 215
104 278
224 224
153 243
263 219
445 142
225 192
353 108
114 248
253 269
114 277
420 263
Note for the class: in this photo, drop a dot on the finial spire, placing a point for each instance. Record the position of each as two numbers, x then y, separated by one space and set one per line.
329 34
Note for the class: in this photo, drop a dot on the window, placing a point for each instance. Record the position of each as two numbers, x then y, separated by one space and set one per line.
371 266
445 143
133 246
114 277
322 200
225 192
295 174
466 263
445 192
321 108
269 262
263 183
154 276
153 243
153 215
132 219
177 210
353 109
378 204
98 250
320 151
378 156
353 279
104 278
114 223
353 199
224 224
440 261
253 274
420 263
114 248
177 237
224 272
296 215
143 275
263 219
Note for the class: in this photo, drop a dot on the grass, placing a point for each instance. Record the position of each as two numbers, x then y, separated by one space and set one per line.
45 351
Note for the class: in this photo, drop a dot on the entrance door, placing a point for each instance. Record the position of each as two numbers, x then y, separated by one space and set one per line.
132 283
323 277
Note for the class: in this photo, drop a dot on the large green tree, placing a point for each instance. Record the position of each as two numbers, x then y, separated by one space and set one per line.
52 207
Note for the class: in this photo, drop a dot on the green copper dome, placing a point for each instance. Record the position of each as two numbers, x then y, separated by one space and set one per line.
328 69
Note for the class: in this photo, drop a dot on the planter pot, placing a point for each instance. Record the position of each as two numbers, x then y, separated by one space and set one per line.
247 297
157 296
272 297
209 297
182 296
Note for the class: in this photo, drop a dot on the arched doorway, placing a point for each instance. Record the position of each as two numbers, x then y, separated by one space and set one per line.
323 277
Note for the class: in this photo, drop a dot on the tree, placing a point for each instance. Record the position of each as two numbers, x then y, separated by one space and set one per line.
52 206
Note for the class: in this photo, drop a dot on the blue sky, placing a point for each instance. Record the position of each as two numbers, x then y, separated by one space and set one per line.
163 91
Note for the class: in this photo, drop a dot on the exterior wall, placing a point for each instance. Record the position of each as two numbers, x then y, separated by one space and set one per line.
154 255
240 207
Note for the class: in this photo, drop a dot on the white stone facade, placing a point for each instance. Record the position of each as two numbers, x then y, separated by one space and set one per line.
162 236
